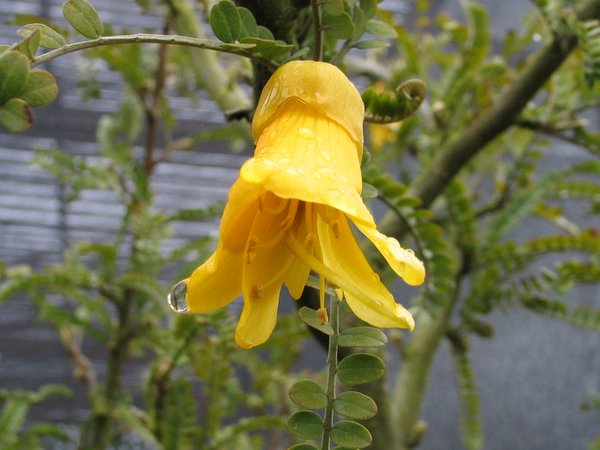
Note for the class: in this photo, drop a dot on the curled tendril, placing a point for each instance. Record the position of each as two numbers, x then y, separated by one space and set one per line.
388 107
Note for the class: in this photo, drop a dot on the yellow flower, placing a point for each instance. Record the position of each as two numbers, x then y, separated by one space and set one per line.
287 213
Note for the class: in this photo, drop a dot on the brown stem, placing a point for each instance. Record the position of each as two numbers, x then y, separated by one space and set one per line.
153 109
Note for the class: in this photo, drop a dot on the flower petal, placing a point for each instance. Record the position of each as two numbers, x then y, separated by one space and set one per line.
266 261
259 317
321 85
215 283
296 277
304 155
238 216
403 261
267 257
366 295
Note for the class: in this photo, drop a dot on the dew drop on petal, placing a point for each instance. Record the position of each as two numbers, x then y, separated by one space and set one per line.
306 132
325 154
177 298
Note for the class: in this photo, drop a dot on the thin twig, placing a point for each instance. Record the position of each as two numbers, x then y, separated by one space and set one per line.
143 38
153 109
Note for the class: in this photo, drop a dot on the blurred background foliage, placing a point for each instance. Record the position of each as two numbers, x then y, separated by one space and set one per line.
454 178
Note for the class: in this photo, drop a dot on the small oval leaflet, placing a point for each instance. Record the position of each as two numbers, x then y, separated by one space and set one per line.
49 37
360 368
362 337
308 394
40 88
15 115
355 405
303 447
177 298
380 28
351 434
310 317
306 424
225 21
82 16
30 45
14 68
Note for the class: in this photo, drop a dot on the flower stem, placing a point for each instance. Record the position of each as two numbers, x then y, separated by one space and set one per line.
332 364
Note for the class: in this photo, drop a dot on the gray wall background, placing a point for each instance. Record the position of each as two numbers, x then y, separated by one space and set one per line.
532 377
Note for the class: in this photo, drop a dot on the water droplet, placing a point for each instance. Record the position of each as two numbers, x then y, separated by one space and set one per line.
326 174
177 298
306 132
295 171
325 154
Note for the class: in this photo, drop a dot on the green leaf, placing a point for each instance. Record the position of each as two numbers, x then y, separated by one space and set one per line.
355 405
308 394
338 27
48 37
82 16
16 115
332 7
368 191
470 421
40 88
360 23
369 7
248 23
12 418
351 434
380 28
362 337
360 368
267 48
303 447
30 45
225 21
306 424
310 317
264 33
371 43
14 67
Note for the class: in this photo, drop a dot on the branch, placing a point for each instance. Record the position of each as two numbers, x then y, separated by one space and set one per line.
457 153
143 38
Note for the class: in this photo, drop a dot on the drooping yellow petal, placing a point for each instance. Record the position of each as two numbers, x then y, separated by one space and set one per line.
218 281
259 316
402 261
296 278
238 216
215 283
366 295
318 84
267 257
